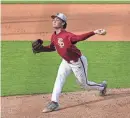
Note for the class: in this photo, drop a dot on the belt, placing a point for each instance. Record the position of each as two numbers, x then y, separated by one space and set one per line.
72 61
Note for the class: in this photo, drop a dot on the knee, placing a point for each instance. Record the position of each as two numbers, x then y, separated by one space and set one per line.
61 75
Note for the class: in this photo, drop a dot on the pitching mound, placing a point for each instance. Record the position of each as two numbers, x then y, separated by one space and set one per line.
73 105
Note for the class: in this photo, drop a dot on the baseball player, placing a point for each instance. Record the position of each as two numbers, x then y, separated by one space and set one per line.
73 60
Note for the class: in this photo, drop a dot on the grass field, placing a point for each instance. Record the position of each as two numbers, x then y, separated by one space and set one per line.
26 73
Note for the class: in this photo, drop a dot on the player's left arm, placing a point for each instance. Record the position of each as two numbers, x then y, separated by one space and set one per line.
37 46
76 38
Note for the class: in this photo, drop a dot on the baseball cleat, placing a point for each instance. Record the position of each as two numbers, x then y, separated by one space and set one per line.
52 106
103 92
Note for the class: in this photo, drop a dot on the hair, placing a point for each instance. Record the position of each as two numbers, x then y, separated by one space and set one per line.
65 25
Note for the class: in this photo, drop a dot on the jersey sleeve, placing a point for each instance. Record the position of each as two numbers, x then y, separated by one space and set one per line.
50 47
76 38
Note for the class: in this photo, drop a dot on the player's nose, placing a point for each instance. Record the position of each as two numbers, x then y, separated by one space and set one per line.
54 21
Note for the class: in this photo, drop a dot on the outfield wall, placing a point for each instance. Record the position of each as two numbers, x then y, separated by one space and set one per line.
32 21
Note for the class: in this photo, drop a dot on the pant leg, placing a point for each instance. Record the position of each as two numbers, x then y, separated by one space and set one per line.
63 72
80 70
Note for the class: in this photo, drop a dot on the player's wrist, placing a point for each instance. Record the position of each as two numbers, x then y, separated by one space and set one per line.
100 31
94 32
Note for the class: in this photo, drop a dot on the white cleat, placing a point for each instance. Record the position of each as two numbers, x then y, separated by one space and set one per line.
103 92
53 106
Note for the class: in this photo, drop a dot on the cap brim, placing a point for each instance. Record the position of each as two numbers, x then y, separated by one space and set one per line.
53 16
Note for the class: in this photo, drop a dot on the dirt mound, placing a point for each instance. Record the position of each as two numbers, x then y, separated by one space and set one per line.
76 104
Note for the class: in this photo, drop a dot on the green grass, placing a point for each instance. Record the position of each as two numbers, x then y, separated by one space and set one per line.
26 73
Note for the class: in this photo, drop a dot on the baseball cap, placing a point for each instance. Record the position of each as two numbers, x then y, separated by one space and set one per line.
61 16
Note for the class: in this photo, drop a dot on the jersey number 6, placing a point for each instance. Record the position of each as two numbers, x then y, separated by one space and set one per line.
60 42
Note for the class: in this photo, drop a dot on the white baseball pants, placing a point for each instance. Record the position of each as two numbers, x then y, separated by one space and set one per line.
79 69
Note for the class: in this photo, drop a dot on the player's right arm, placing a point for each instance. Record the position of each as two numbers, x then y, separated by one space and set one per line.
76 38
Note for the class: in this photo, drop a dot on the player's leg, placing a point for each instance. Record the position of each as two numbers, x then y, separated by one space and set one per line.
63 72
80 70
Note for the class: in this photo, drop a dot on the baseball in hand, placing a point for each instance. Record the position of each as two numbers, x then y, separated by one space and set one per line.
100 31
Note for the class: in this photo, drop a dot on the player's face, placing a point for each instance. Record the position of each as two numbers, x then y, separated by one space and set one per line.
57 23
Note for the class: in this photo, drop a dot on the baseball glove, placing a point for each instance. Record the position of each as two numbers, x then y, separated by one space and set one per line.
37 45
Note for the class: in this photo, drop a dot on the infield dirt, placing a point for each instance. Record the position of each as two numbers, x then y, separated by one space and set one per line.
32 21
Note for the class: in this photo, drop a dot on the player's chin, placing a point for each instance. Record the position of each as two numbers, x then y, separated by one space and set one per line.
55 27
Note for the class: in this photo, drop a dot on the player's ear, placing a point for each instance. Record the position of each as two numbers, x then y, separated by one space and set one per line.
63 23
